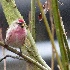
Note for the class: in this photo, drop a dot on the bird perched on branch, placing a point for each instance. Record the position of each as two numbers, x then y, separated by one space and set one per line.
16 34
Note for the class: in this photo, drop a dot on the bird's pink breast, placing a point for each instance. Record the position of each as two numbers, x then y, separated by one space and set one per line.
16 37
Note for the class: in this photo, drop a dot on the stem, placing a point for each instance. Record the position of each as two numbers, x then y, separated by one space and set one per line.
32 24
67 46
3 49
50 34
65 41
32 30
52 30
59 33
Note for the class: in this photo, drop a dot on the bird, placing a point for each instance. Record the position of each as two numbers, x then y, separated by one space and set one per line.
16 34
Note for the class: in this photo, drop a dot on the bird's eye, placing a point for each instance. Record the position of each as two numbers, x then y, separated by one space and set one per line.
20 23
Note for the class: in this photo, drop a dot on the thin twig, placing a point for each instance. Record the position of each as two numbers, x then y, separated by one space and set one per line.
3 49
52 30
15 57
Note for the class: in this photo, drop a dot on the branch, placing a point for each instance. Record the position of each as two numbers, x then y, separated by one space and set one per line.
28 59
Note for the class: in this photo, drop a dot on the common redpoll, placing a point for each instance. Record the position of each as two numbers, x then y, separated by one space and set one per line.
16 34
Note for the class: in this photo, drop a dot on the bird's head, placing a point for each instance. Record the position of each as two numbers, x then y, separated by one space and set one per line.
21 22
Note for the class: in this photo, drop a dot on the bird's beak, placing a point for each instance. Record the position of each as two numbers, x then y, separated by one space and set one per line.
23 25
